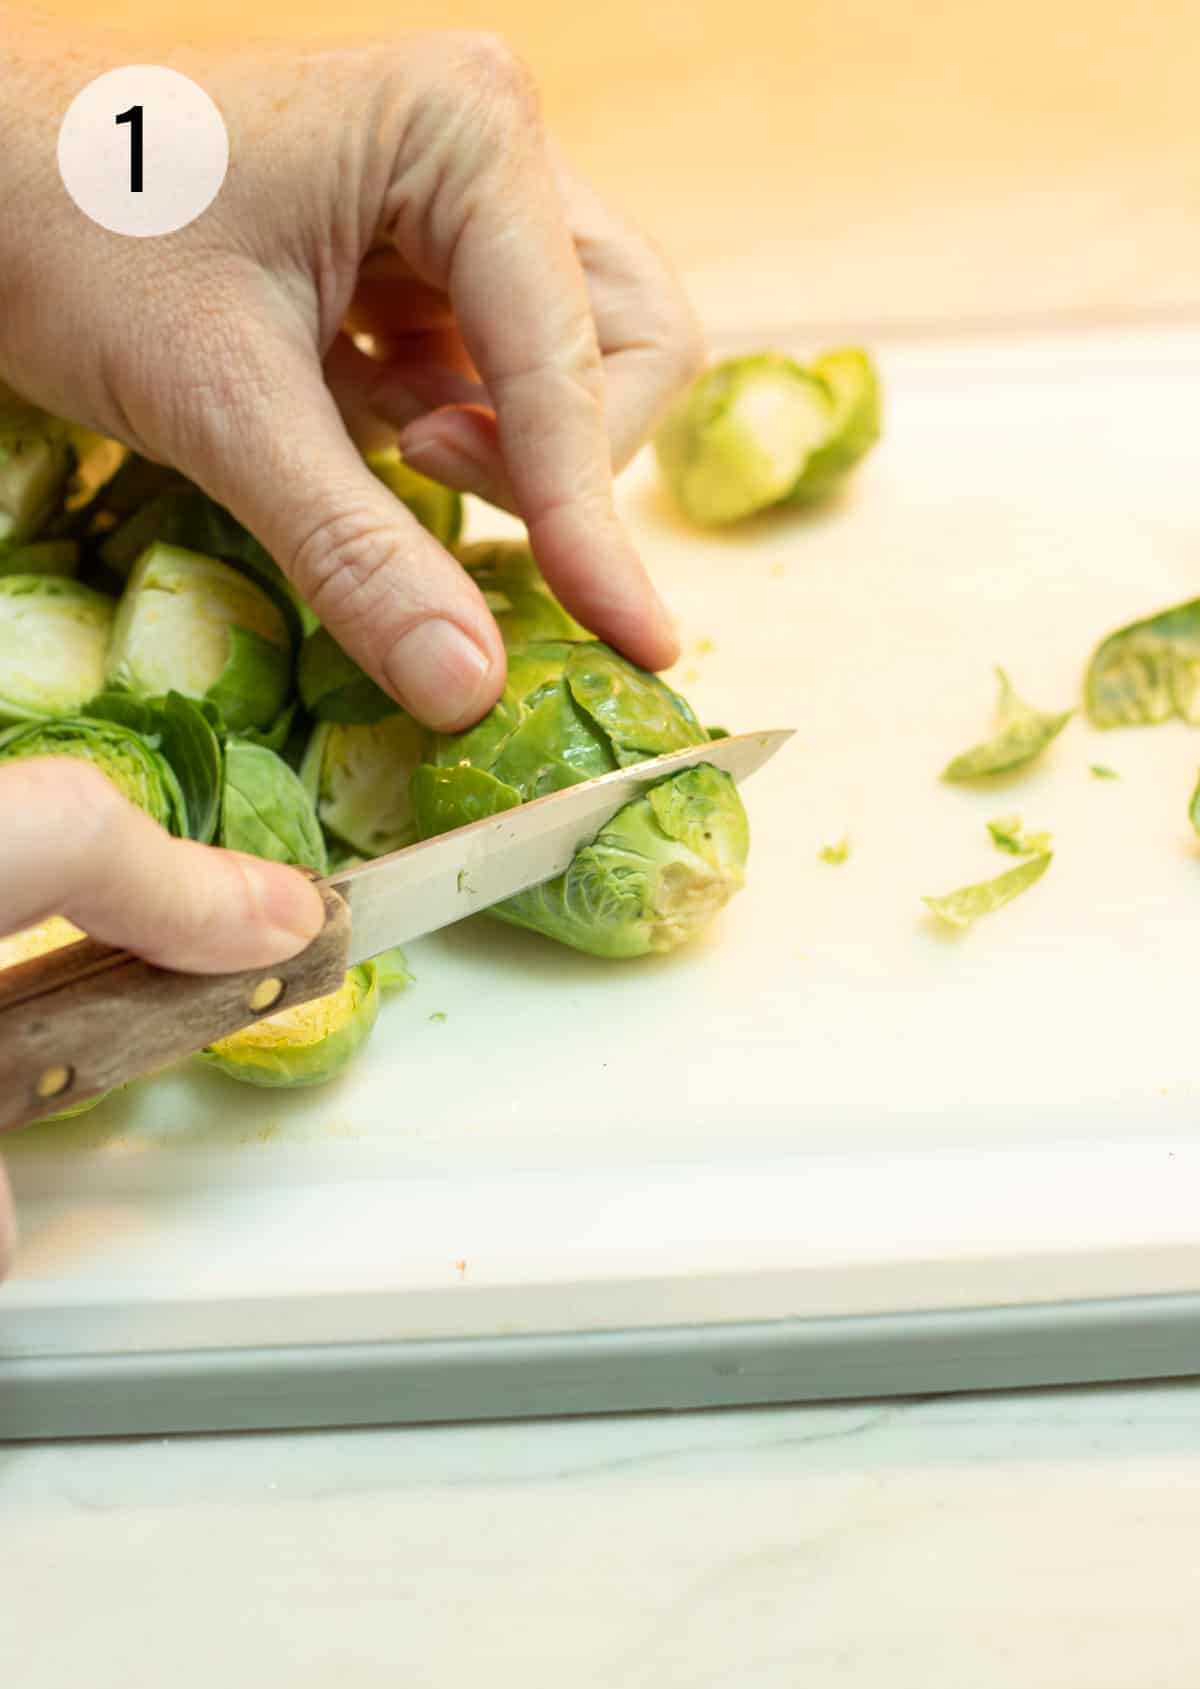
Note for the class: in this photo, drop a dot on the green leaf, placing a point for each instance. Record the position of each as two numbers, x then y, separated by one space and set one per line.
960 908
639 714
185 736
334 688
1102 772
1149 671
1023 735
1008 834
392 970
266 811
41 557
523 605
445 798
835 854
437 508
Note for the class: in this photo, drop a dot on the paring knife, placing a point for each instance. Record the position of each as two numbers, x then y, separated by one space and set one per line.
79 1021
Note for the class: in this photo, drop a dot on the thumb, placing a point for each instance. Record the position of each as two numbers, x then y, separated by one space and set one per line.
71 845
392 595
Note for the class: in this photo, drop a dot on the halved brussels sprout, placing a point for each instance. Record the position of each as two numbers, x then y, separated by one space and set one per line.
25 946
438 508
37 460
332 686
523 605
54 637
658 871
358 779
265 809
852 378
740 438
307 1045
195 625
136 768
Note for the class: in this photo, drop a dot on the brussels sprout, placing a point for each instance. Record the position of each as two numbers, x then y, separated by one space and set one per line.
742 435
857 419
266 811
26 946
332 686
523 605
358 779
307 1045
138 771
41 557
193 624
438 508
54 635
662 866
37 460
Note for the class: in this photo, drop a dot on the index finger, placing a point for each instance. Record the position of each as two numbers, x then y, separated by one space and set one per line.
522 307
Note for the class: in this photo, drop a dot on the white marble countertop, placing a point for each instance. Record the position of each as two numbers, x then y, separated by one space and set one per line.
1046 1539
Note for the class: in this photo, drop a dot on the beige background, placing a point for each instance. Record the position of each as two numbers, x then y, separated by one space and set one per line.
856 161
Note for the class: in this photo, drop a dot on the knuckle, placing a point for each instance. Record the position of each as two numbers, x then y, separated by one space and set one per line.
495 68
340 565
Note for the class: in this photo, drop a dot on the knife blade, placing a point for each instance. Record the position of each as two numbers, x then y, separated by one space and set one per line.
79 1021
414 891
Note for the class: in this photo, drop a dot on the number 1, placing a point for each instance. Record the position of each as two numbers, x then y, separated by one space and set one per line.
134 119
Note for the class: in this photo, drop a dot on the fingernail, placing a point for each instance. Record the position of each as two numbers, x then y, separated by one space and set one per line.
440 674
290 905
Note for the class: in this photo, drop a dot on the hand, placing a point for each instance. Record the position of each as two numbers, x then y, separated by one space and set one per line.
526 340
71 845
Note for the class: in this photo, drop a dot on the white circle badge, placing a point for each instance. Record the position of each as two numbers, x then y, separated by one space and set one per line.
142 150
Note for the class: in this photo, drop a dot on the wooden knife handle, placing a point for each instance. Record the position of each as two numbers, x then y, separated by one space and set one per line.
78 1021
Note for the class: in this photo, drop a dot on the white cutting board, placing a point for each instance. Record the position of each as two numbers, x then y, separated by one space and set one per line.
828 1108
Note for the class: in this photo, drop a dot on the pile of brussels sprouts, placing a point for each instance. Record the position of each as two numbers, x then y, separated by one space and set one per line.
143 629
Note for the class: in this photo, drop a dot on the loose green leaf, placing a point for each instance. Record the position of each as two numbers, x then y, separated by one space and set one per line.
266 810
392 970
185 735
835 854
960 908
440 1016
1008 834
1148 671
1023 735
334 688
1102 772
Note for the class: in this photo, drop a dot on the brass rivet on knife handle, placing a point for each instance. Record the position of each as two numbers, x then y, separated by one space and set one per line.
81 1020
